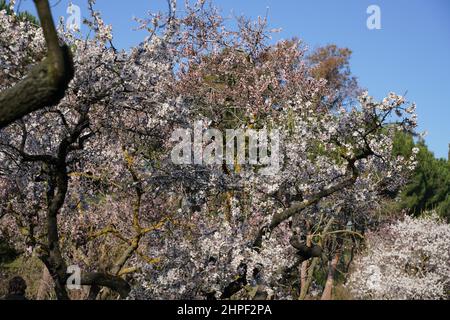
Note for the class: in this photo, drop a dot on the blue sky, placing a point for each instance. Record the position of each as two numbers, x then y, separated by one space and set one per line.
411 53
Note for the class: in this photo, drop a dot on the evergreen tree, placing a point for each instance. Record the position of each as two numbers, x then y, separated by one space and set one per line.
429 187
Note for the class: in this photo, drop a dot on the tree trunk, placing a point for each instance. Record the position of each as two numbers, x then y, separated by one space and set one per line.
309 279
45 285
304 267
327 292
303 276
315 261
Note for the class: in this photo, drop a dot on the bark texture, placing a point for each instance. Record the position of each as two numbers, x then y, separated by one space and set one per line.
46 83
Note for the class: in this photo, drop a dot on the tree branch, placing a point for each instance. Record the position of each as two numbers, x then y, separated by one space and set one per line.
299 206
114 283
46 83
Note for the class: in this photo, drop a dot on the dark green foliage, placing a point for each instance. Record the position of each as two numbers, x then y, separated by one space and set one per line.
7 254
429 186
403 144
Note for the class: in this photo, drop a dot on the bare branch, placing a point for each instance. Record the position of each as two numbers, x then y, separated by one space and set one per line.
114 283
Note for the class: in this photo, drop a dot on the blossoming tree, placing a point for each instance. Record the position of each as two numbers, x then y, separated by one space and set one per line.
407 259
92 176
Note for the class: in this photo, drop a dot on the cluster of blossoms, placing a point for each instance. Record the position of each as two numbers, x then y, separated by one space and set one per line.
188 231
203 265
408 259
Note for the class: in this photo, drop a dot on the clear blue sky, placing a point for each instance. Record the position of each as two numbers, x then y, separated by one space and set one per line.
411 53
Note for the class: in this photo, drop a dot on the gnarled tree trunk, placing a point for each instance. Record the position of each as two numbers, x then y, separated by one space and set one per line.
46 83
